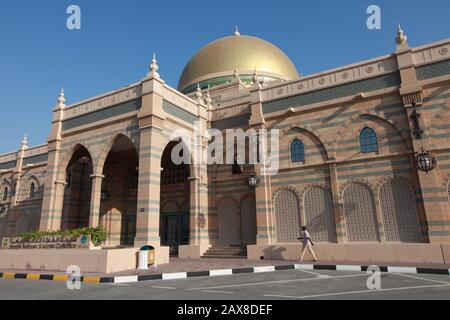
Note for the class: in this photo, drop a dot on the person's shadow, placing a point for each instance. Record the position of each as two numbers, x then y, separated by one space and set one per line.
274 253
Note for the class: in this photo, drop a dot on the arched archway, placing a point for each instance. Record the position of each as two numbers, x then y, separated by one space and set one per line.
77 194
118 204
175 197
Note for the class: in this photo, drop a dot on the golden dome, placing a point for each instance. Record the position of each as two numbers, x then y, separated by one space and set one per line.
216 63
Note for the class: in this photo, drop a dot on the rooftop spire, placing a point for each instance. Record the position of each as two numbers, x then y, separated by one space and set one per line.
236 31
24 144
154 67
61 99
401 36
208 99
236 73
255 77
199 93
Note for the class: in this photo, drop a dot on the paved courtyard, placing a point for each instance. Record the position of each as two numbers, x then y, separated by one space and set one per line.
284 285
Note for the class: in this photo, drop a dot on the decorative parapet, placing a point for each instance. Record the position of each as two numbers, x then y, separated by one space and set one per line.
180 100
35 151
431 53
33 154
8 157
351 73
428 54
103 101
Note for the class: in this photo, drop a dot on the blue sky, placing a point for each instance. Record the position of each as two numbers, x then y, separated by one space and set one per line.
39 55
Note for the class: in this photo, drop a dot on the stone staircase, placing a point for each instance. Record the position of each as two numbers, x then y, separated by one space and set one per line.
230 251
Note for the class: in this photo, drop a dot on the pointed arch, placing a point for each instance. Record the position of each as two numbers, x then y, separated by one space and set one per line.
106 149
316 137
68 155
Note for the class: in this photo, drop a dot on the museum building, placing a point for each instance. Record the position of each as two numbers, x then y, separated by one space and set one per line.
364 159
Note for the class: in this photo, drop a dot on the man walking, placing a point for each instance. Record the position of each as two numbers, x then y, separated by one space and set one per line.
307 244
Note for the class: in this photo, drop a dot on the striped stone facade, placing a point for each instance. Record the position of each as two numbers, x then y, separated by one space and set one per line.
344 195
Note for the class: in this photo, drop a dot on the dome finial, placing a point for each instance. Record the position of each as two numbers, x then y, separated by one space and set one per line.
154 67
236 31
401 36
61 99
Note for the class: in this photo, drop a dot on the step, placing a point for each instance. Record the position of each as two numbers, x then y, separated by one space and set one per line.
227 250
224 257
225 254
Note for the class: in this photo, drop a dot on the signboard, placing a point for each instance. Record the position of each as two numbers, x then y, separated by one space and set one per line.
5 243
53 242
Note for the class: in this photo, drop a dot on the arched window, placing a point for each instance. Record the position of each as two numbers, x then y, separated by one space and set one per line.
5 194
32 190
368 141
297 151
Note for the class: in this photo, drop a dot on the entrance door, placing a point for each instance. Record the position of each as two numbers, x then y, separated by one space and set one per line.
130 230
248 220
172 230
228 222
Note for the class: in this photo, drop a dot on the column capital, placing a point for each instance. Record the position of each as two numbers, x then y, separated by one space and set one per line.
99 176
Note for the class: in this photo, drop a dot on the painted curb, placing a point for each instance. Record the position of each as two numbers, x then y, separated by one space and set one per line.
220 272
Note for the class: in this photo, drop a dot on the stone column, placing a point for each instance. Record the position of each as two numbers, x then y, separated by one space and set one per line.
52 202
199 241
338 210
435 198
151 124
96 193
199 201
263 192
148 215
17 173
264 208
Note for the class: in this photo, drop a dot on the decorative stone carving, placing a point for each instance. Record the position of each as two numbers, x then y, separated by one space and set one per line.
398 208
443 51
359 212
318 208
287 216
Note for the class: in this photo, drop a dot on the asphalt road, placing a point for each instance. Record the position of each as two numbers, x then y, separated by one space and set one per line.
284 285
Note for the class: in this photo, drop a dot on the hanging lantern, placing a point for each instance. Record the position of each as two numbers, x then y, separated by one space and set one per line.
104 196
201 221
253 181
425 161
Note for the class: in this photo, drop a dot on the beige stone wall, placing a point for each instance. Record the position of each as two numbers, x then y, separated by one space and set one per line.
346 196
